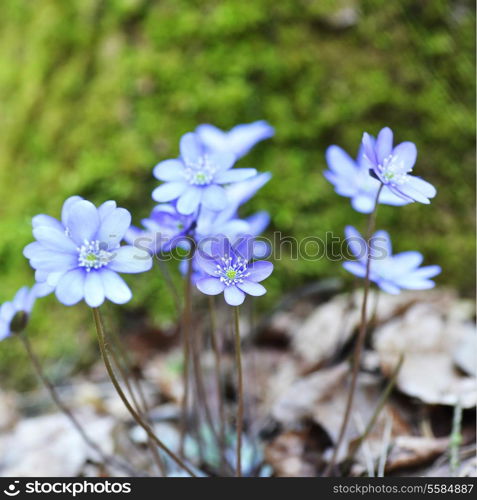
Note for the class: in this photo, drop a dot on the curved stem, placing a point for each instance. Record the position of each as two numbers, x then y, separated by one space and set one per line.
66 411
141 406
170 283
186 319
360 339
381 402
238 358
109 368
214 340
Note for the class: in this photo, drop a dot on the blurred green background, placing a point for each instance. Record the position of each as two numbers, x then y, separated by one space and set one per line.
95 92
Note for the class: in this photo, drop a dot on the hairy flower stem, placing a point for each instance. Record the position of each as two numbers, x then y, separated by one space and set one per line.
238 358
105 350
360 340
123 365
214 340
112 461
199 382
185 327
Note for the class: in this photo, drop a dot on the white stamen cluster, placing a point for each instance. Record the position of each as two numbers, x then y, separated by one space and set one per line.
92 256
232 273
393 171
200 173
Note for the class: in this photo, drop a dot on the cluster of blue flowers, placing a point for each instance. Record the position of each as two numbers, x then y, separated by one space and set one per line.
81 255
381 174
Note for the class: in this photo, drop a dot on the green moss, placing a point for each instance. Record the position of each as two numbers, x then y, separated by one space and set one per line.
95 93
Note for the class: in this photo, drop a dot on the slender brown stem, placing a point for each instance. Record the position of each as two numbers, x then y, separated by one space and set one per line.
185 327
141 405
360 339
382 401
104 348
66 411
170 283
214 340
238 358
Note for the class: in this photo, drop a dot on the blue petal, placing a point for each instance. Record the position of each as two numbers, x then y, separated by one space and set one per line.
260 270
411 192
369 156
55 239
356 268
406 152
115 288
20 298
191 148
169 170
106 208
407 260
251 288
233 296
67 205
169 191
243 137
51 261
363 203
340 162
384 144
46 220
205 262
113 228
189 200
7 311
222 160
41 289
212 137
243 247
30 250
241 192
356 243
129 259
381 245
210 286
93 289
213 197
82 221
424 187
257 223
70 288
234 175
388 287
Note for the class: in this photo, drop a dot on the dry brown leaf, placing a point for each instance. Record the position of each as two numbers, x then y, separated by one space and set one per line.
410 451
286 455
427 336
326 330
50 446
465 352
322 397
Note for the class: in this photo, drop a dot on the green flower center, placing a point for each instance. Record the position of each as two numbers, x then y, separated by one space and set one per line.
231 274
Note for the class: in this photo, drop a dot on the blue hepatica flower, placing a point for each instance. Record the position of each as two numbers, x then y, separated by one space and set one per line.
392 165
352 179
239 140
196 178
22 303
228 269
81 255
391 273
228 223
